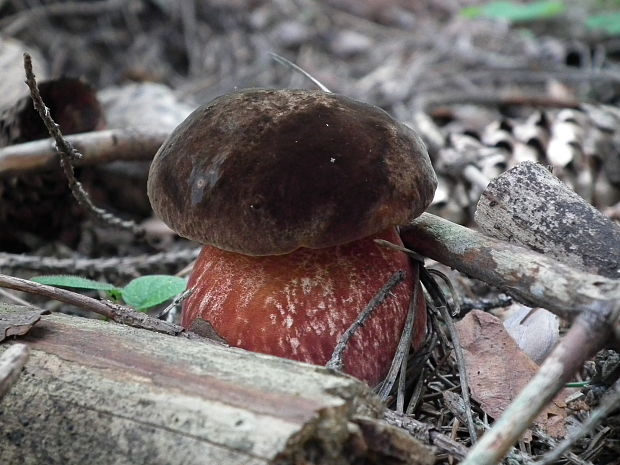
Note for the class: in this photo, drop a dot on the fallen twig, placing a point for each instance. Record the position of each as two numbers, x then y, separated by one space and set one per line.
591 301
335 362
426 433
115 312
68 153
11 363
528 276
97 147
124 267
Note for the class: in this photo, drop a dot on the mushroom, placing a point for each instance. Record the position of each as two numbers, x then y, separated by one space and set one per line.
288 189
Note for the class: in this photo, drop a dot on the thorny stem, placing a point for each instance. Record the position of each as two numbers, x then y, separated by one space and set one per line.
67 154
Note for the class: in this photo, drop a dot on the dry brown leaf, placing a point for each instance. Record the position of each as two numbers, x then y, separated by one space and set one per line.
16 320
497 370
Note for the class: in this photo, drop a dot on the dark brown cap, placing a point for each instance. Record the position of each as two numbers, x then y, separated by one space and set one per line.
264 172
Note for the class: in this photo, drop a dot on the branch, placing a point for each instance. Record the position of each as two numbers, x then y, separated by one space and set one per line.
11 363
67 155
528 276
118 313
98 147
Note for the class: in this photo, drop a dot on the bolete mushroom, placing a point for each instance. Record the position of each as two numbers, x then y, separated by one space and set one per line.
288 189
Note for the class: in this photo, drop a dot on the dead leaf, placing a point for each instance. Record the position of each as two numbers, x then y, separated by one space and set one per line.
498 370
16 320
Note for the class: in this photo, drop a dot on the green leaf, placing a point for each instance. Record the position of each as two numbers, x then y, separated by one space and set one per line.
62 280
516 12
609 23
147 291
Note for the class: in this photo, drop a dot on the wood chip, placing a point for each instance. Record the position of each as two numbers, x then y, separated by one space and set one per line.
19 321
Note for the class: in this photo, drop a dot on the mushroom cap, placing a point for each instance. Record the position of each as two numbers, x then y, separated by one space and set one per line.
265 172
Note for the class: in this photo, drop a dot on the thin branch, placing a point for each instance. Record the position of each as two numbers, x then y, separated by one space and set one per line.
178 300
336 362
528 276
98 147
426 433
67 154
118 313
124 267
485 305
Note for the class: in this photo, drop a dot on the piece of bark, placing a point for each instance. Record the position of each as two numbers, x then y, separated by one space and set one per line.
529 206
96 392
17 320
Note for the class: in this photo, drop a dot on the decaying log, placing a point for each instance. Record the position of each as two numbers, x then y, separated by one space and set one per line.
101 393
529 206
97 147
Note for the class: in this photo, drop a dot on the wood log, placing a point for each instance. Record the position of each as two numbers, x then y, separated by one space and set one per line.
529 206
101 393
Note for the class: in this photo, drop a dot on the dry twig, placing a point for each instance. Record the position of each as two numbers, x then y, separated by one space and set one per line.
11 363
115 312
67 154
123 267
98 147
336 362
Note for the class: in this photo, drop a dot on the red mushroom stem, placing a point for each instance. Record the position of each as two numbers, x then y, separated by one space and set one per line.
298 305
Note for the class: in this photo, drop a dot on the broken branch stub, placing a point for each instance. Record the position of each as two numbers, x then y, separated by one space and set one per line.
532 278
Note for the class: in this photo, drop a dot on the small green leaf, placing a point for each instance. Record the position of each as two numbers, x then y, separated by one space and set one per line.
608 23
516 12
62 280
147 291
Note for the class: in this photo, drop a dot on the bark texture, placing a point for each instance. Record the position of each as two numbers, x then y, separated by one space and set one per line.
529 206
101 393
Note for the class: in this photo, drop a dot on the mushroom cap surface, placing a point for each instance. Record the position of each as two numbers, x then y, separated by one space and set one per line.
265 172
